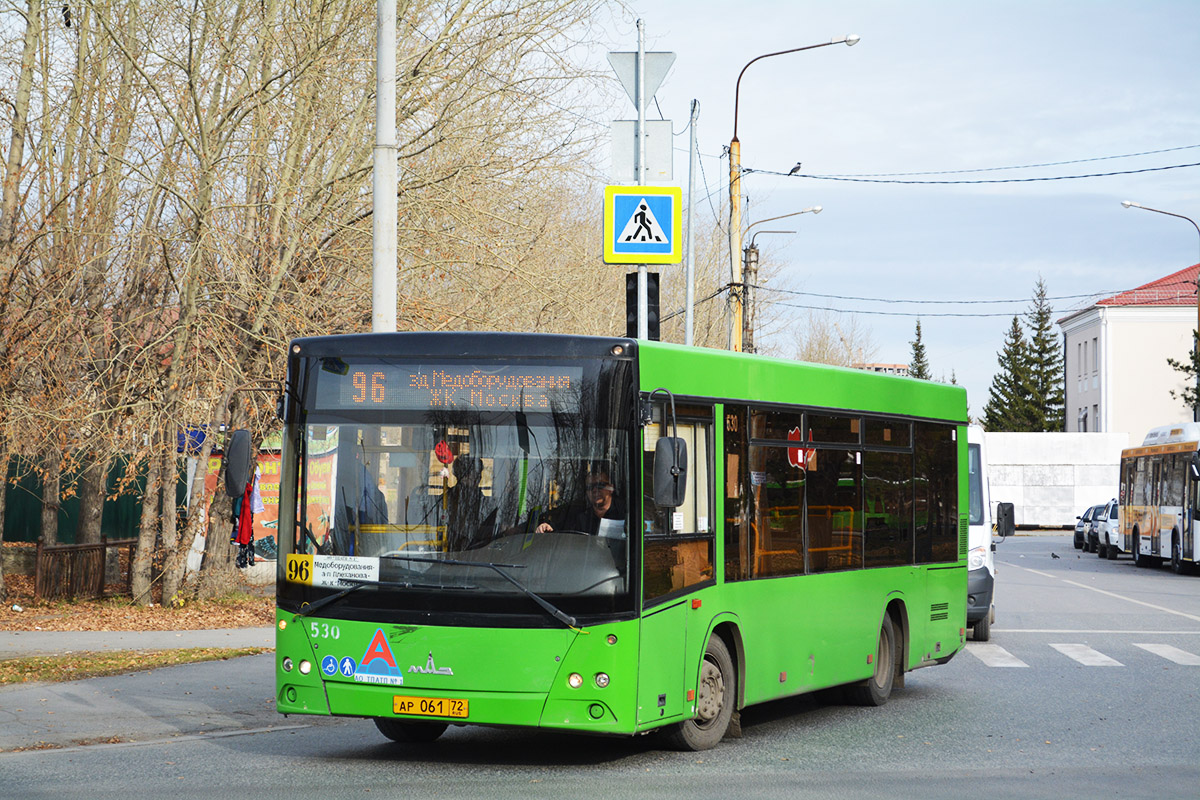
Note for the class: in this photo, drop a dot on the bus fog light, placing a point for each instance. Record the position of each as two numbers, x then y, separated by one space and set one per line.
612 638
602 679
287 664
305 667
574 680
282 624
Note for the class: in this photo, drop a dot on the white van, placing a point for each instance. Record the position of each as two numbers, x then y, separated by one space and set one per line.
981 566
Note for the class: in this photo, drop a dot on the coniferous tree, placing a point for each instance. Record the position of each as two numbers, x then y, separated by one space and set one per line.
1045 366
1008 406
918 364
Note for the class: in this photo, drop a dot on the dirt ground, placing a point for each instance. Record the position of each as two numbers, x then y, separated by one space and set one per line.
243 607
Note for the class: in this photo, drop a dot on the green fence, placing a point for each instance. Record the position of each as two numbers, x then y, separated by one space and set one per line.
120 520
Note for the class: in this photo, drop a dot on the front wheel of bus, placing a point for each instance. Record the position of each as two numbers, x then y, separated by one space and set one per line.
876 690
412 732
714 702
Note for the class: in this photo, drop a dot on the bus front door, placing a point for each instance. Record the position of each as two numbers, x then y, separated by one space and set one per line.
661 664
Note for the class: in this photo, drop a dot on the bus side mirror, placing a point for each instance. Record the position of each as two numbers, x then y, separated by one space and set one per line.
670 472
1005 519
1194 467
237 463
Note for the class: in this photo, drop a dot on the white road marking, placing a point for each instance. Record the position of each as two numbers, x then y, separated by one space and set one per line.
993 655
1086 655
1172 654
1164 609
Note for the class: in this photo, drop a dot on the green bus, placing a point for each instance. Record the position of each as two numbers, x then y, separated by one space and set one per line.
607 535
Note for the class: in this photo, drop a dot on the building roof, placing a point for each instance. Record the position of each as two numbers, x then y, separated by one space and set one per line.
1177 289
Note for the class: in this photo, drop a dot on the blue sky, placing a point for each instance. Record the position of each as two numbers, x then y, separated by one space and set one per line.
940 86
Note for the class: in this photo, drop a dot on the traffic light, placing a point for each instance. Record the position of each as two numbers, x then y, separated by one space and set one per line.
631 305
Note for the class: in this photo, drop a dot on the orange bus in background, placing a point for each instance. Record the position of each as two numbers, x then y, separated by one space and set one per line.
1158 497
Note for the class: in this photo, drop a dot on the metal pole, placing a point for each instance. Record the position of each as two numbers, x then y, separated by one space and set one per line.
1196 345
735 239
383 176
690 296
735 189
643 299
751 272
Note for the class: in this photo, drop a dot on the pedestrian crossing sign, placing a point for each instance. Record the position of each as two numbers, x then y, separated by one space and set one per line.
643 225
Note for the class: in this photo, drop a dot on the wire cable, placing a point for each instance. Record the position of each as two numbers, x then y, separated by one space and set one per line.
991 180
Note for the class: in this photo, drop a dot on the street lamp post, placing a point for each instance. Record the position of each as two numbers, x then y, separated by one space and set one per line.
1196 346
750 279
735 187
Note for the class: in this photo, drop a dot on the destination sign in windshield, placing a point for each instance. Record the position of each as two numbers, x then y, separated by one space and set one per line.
384 386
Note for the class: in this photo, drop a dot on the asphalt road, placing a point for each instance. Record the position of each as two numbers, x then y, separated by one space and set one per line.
1089 687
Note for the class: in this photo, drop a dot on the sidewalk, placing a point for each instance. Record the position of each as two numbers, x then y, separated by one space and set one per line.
15 644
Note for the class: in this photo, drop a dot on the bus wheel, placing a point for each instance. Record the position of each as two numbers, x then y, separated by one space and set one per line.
876 690
714 702
1138 559
413 732
1178 565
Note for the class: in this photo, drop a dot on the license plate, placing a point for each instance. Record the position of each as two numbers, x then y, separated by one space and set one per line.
430 706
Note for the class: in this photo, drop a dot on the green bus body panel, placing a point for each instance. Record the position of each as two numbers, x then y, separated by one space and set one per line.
789 635
511 676
725 375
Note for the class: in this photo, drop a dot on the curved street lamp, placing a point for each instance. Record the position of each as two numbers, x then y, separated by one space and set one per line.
750 288
735 183
1196 361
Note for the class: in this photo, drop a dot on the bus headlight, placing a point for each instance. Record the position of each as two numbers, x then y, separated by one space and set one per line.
287 664
977 558
601 679
305 667
574 680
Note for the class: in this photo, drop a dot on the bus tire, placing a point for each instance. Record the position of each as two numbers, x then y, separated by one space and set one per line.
411 732
715 700
981 631
1178 565
1139 560
876 690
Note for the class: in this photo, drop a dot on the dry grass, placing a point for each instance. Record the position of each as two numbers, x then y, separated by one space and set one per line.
77 666
237 609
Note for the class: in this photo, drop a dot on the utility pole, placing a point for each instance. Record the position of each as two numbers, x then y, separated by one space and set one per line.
383 175
690 269
640 102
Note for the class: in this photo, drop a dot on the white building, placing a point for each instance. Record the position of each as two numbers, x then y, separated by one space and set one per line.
1116 374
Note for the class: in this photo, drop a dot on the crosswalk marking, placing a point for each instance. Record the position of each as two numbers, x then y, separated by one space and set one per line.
1086 655
994 655
1171 654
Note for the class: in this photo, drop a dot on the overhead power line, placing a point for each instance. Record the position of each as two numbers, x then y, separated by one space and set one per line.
991 180
1022 166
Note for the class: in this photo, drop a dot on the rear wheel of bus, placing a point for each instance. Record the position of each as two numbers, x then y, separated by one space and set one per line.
715 698
412 732
1178 565
876 690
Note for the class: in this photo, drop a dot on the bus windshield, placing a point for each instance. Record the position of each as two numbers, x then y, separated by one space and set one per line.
466 487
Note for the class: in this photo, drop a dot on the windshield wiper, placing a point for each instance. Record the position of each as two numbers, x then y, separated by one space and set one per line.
357 583
546 605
